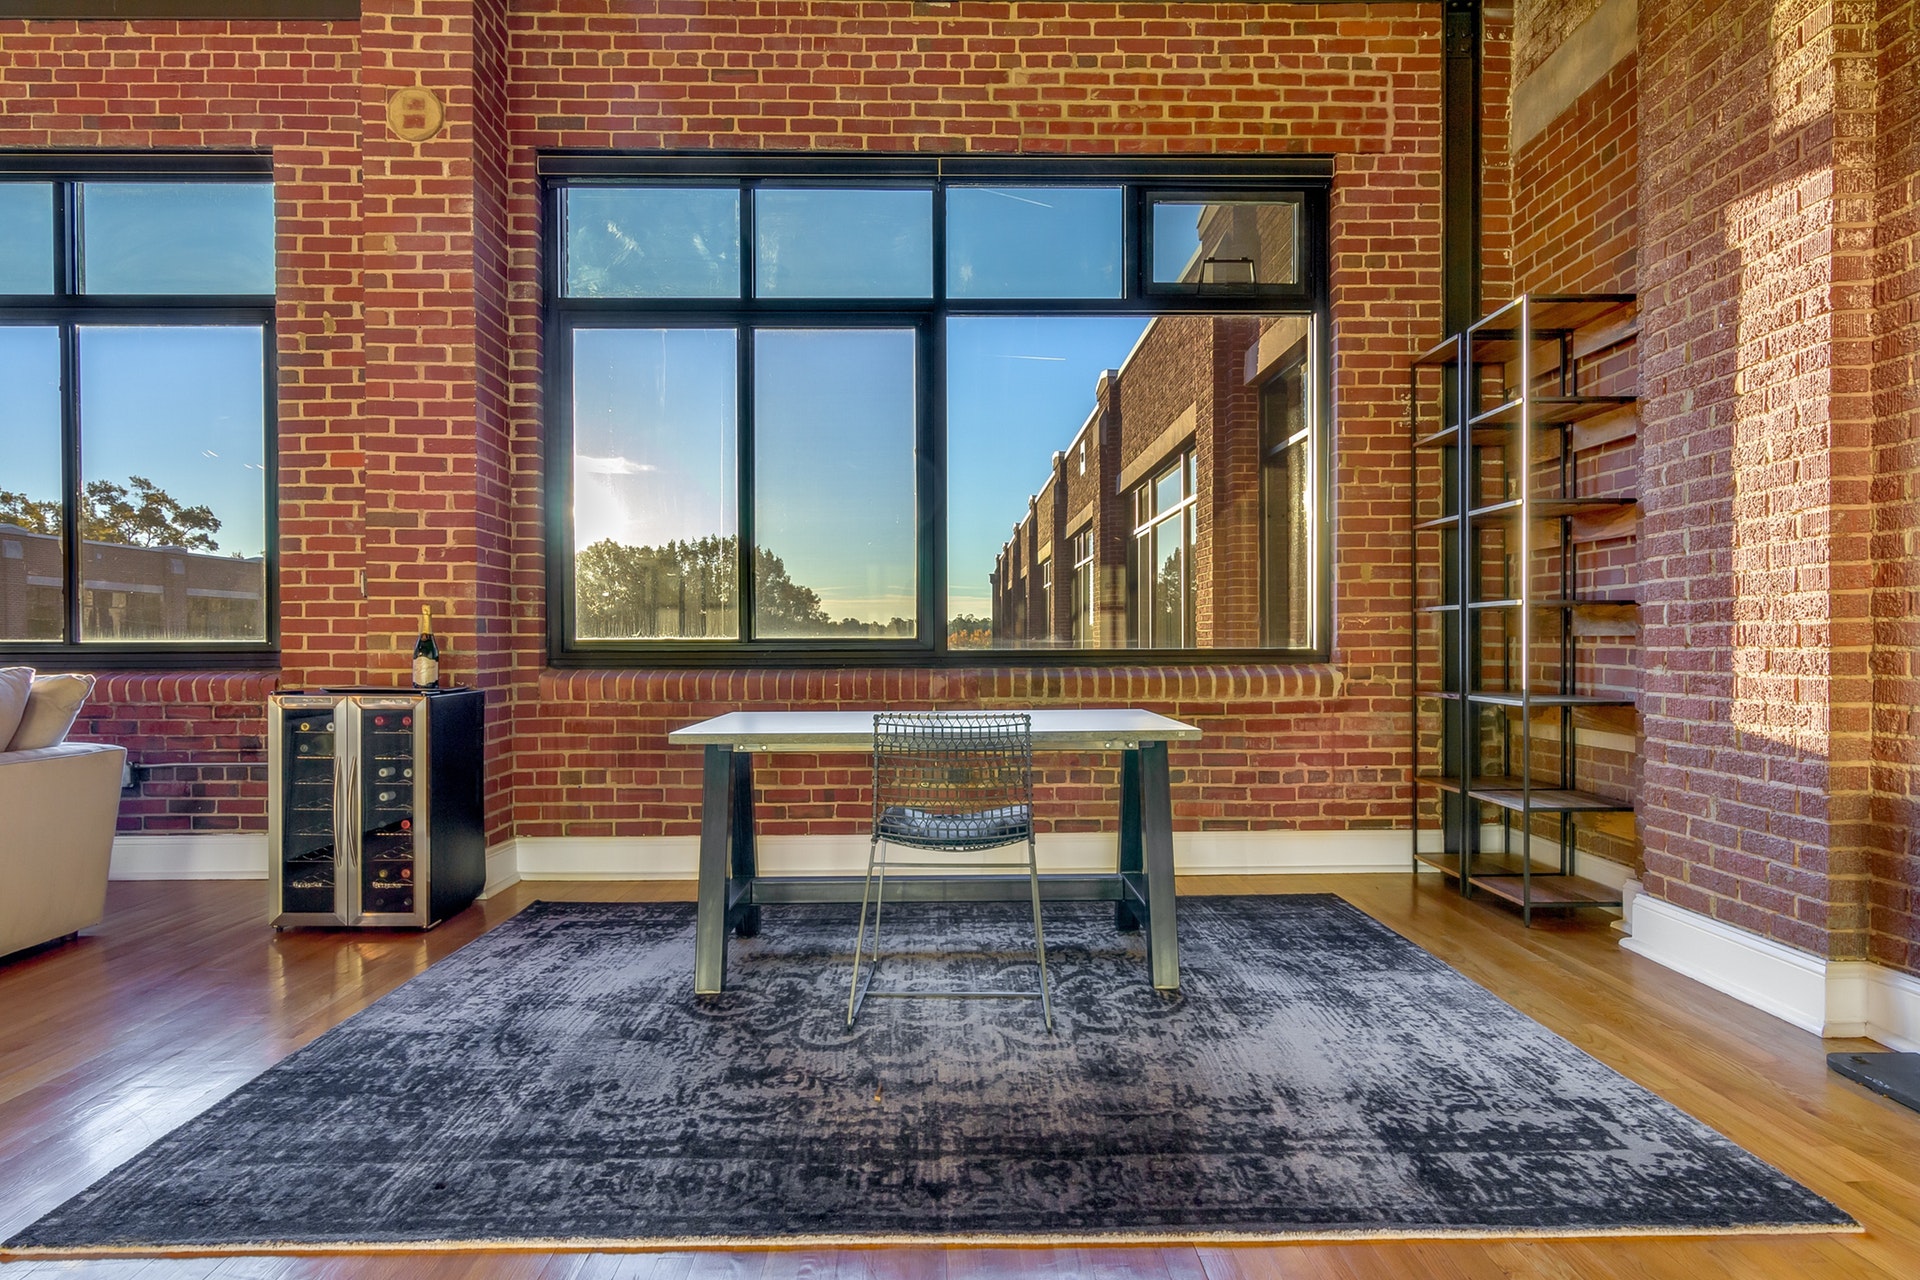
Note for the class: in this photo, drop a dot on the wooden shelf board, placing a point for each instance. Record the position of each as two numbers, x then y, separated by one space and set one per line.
1439 608
1548 890
1549 700
1548 799
1496 510
1599 605
1551 411
1484 864
1550 508
1439 439
1447 352
1485 782
1495 339
1438 522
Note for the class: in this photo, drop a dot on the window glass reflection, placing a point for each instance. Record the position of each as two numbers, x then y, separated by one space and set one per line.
654 484
1226 244
1136 452
1034 242
173 525
32 563
176 237
834 427
26 237
653 242
840 243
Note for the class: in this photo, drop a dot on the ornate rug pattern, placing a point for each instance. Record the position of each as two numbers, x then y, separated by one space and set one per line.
557 1081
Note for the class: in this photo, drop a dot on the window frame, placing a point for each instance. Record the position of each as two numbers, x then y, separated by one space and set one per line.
66 310
1144 182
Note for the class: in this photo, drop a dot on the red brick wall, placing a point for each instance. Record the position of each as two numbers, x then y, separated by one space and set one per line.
409 396
1542 26
201 740
1498 225
1894 894
1754 563
1577 183
1284 747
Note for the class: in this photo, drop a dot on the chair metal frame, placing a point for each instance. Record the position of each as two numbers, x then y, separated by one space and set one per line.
952 782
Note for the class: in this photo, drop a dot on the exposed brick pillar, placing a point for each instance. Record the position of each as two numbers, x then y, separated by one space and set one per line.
435 422
1755 561
1894 891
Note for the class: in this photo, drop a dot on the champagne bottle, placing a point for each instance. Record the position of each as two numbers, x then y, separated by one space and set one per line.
426 654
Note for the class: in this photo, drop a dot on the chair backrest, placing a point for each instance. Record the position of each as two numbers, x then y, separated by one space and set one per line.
969 772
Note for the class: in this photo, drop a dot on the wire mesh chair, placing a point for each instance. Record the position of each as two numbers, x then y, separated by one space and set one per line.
952 782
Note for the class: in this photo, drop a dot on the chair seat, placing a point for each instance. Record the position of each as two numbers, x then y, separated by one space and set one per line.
982 829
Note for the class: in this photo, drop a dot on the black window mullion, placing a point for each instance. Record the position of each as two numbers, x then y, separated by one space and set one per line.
65 237
930 531
744 537
70 505
744 417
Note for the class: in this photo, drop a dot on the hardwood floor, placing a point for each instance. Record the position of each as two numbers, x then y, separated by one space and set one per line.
183 993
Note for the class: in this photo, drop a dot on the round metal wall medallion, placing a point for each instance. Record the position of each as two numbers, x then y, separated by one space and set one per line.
415 114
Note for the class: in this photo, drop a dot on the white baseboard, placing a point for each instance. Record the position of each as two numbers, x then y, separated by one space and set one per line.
1867 1000
1194 853
199 856
1827 998
503 869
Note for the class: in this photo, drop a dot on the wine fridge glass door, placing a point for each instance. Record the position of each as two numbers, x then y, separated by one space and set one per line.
311 888
389 793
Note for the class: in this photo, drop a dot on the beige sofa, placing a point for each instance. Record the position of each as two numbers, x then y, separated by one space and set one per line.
57 811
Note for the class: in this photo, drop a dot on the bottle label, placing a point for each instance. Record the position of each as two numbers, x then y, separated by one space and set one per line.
426 671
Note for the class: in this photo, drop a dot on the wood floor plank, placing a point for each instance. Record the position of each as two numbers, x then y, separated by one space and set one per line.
183 993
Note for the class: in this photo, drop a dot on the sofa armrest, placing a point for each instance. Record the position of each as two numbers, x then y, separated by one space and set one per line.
58 809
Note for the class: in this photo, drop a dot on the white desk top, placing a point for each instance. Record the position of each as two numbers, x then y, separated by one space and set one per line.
1088 728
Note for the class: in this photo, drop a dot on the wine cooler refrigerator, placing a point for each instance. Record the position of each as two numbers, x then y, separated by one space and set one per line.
374 806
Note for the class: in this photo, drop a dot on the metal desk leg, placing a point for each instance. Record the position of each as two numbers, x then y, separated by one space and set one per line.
1126 915
742 916
1156 833
710 918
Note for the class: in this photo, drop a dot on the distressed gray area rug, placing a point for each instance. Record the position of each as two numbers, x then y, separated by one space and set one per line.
557 1081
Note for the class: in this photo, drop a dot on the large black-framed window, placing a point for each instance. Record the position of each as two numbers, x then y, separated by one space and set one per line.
137 522
795 405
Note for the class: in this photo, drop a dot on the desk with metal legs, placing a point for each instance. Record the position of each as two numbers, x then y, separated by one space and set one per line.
732 891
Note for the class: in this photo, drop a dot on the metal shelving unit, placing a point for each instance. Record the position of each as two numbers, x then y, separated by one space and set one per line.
1499 423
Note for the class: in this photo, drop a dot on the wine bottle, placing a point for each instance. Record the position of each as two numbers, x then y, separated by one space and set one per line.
426 654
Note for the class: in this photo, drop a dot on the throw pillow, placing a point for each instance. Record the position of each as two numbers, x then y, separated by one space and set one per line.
51 709
15 684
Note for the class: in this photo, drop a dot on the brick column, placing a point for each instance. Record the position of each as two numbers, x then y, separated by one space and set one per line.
434 425
1755 341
